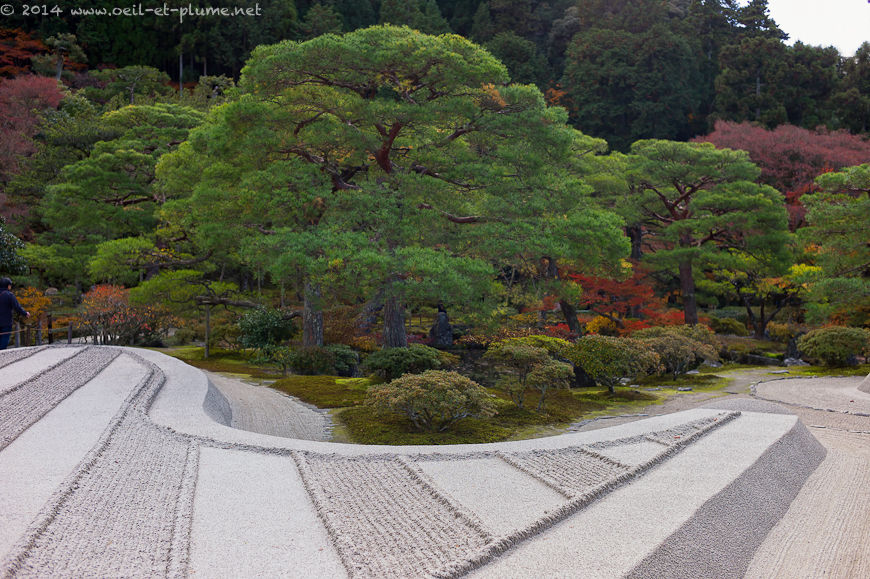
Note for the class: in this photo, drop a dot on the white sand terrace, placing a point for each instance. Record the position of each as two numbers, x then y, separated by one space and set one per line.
130 466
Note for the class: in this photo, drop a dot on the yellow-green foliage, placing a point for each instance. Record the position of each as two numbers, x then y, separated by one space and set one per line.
834 346
324 391
608 359
433 400
391 363
782 332
728 326
515 361
554 346
680 348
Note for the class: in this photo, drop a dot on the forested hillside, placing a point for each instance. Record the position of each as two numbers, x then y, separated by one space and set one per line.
625 69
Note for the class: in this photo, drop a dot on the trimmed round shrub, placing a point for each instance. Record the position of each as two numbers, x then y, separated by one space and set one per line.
728 326
312 361
392 363
433 400
344 359
556 347
263 327
515 361
836 345
607 359
680 348
783 332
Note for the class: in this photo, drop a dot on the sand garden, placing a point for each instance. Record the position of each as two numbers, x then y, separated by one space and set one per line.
125 462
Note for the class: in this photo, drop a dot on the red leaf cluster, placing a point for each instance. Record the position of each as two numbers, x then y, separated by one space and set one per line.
16 49
22 100
790 158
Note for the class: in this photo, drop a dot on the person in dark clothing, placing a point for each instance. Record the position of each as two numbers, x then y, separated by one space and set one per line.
8 304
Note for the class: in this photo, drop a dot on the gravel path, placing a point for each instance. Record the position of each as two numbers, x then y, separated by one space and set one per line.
827 529
835 394
261 409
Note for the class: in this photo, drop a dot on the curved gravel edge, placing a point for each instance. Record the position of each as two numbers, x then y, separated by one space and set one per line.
216 405
721 539
864 384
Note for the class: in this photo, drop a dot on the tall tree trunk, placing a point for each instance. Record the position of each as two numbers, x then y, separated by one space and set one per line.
687 290
635 234
207 331
58 65
570 313
394 324
757 95
568 309
312 317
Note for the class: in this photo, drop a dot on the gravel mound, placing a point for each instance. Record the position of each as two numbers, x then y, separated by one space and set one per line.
126 509
825 532
30 400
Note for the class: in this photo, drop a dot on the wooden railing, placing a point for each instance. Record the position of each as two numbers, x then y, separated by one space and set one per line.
37 335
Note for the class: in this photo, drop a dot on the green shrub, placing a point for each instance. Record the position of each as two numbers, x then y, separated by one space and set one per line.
515 361
392 363
608 359
263 327
433 400
556 347
836 345
312 361
344 359
698 332
281 356
782 332
225 336
728 326
680 348
181 337
551 375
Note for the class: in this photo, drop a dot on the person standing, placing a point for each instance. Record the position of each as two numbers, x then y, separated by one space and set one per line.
8 304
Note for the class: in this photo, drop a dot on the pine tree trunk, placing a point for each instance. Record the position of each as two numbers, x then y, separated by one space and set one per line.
635 234
312 317
687 290
570 313
394 324
207 332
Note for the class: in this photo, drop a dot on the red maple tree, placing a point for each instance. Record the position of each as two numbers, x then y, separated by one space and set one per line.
790 158
630 304
16 49
22 100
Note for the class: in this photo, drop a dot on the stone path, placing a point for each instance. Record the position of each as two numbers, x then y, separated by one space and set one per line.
171 488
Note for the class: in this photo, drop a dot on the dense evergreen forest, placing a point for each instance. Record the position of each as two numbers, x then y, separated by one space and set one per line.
625 69
572 166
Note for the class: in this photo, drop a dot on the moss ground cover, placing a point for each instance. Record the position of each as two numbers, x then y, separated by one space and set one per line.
226 361
357 423
860 370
